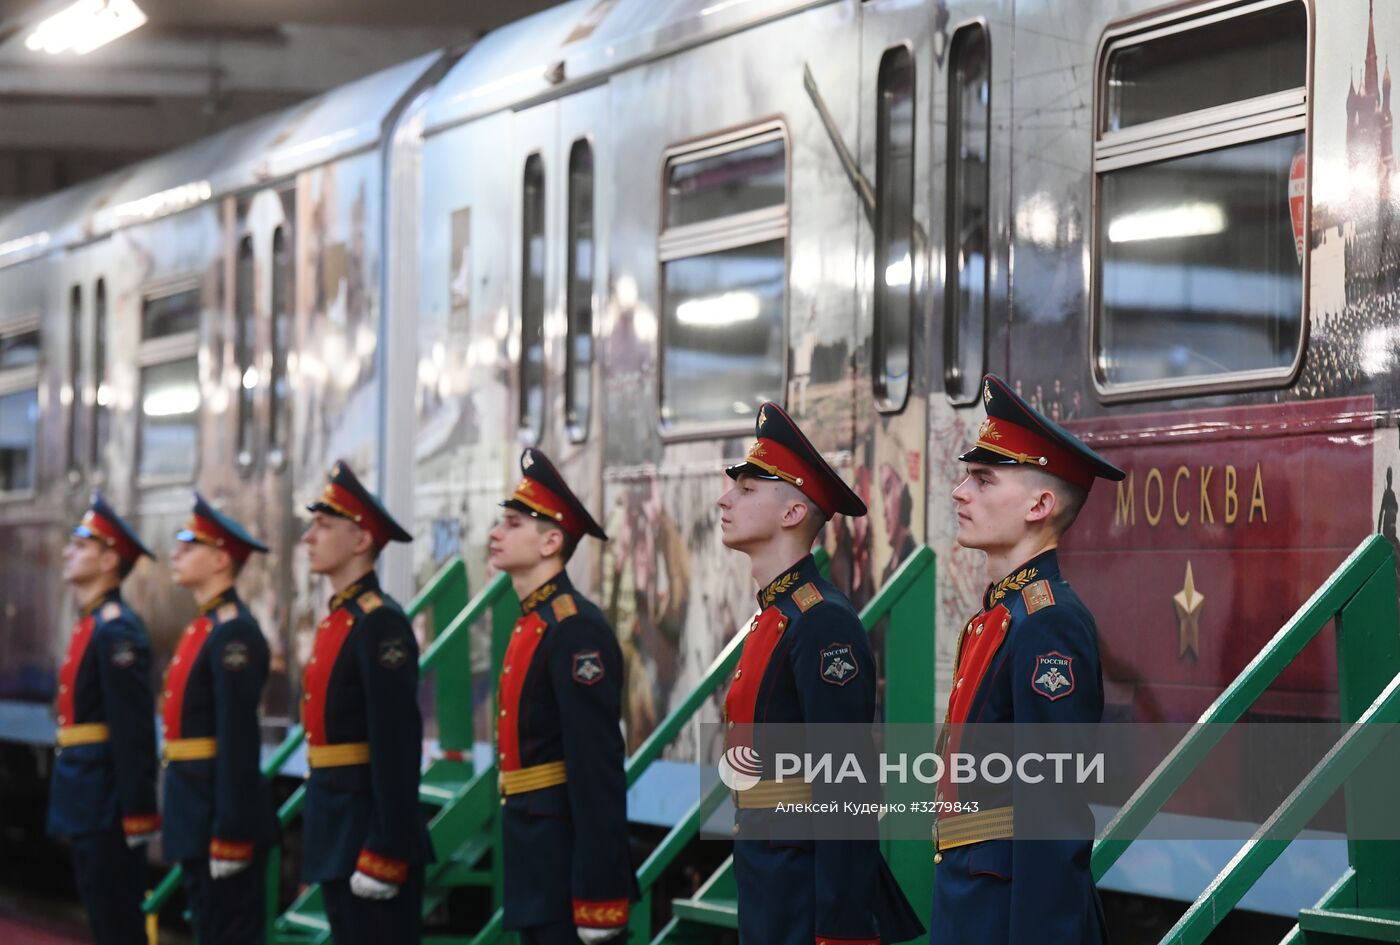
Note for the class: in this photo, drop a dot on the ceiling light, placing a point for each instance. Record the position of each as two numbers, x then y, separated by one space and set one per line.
84 26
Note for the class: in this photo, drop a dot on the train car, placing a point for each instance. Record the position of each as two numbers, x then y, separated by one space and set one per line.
614 228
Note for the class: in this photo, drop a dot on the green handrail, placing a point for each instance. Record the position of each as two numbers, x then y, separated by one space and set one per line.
1276 833
450 581
1369 557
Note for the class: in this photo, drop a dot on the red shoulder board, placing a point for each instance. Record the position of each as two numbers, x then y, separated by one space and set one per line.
1037 596
564 607
111 610
807 596
369 601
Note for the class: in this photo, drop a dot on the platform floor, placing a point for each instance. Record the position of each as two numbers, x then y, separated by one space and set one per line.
16 929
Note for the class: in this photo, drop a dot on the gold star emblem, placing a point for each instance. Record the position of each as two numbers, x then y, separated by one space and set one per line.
1188 615
987 392
528 461
762 416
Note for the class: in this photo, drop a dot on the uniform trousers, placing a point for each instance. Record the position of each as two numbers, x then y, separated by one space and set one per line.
112 885
357 921
228 911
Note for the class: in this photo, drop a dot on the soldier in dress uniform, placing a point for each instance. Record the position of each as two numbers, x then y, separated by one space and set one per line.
1030 656
364 840
806 659
219 820
568 870
103 794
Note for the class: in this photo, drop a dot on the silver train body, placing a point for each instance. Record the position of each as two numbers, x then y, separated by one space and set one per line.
614 228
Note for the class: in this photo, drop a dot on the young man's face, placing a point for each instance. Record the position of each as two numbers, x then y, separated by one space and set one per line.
751 511
83 559
332 541
518 543
194 564
993 505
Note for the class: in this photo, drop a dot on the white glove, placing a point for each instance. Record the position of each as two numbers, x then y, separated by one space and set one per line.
134 840
223 869
589 936
367 887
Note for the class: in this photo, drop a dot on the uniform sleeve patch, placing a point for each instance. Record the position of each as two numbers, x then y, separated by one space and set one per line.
838 664
392 653
227 612
369 601
588 667
1037 596
122 654
807 596
111 610
1053 676
235 656
564 607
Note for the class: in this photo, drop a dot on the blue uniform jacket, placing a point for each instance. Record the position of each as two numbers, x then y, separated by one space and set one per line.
360 687
1044 669
105 779
218 806
807 659
566 845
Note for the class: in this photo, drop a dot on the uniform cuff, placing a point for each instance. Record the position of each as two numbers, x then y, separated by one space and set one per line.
229 850
600 913
828 940
382 868
142 823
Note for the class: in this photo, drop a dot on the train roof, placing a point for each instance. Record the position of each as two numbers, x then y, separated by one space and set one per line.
335 124
581 42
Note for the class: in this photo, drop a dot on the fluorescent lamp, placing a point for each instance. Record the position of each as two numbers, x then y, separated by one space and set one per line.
717 311
1189 219
84 26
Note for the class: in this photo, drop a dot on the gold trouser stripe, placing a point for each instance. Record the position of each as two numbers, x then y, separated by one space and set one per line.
190 749
963 829
769 794
533 778
90 733
339 755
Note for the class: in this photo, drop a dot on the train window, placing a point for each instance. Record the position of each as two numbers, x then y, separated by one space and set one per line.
1198 281
19 406
19 348
169 419
1216 63
98 427
75 379
578 356
172 314
723 282
531 415
969 197
245 327
894 230
281 338
19 425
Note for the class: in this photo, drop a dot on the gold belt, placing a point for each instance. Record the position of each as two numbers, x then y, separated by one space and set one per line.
91 733
963 829
338 755
189 749
769 794
533 778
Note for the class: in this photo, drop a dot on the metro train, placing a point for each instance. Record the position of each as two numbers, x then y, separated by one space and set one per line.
614 228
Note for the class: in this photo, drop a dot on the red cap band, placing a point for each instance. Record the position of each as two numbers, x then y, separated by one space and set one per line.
347 505
551 506
776 459
111 535
1030 448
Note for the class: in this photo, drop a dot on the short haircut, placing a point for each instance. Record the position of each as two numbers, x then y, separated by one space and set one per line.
566 551
1069 500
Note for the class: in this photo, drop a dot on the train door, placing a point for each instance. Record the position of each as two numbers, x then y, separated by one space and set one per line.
257 489
560 284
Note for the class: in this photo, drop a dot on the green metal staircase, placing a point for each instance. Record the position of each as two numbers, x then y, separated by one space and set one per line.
1364 904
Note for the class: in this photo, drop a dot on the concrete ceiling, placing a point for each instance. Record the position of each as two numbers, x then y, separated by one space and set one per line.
199 66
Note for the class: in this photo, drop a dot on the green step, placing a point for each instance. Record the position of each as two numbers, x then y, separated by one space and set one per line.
1335 926
681 932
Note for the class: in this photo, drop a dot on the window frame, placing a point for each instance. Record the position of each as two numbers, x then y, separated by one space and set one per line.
153 352
282 270
74 454
1208 129
578 427
952 281
101 349
534 430
245 356
883 402
735 231
17 380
